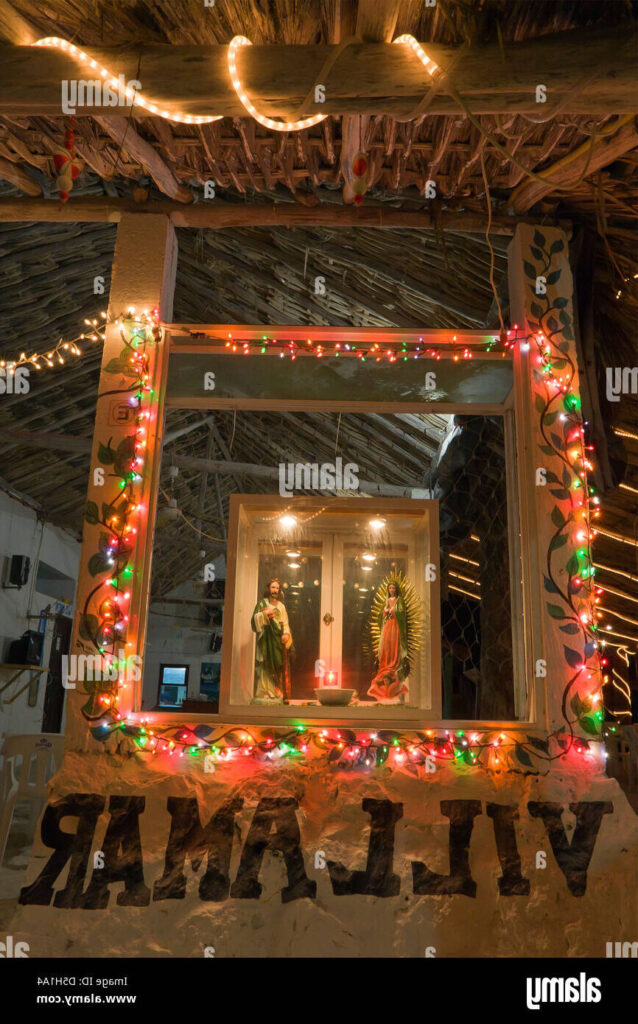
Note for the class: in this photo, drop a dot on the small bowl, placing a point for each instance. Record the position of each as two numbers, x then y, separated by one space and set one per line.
334 696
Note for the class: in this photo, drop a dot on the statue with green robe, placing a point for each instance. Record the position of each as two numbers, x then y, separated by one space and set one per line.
273 648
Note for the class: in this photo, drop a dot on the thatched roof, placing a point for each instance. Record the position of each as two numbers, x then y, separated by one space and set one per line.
250 275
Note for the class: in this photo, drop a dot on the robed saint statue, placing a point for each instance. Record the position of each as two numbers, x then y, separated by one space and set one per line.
274 646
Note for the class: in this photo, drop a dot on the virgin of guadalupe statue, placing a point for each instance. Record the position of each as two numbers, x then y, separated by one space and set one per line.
274 646
393 666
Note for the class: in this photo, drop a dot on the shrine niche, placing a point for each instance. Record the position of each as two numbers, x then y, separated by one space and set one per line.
334 604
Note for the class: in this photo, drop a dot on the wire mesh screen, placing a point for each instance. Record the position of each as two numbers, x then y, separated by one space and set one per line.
469 479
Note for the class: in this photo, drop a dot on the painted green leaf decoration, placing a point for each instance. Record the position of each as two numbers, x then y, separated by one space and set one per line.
563 740
560 493
559 364
535 309
552 323
555 611
546 449
550 417
536 253
551 477
523 756
539 239
570 627
550 586
568 334
564 346
540 403
91 515
576 705
560 302
539 743
564 317
88 626
558 518
573 565
557 542
529 269
98 564
567 477
105 454
573 658
119 366
554 276
556 246
589 725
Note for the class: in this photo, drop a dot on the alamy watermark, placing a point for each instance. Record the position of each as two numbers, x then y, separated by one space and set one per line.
562 990
105 668
114 92
329 476
621 380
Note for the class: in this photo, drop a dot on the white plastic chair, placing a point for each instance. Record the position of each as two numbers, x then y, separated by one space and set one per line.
16 784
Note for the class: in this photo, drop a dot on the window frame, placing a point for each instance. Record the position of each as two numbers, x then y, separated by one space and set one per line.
516 413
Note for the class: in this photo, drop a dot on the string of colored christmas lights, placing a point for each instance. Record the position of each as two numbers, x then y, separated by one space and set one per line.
104 619
556 371
377 352
493 750
372 352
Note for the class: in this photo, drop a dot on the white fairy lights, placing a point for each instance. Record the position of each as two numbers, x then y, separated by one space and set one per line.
237 42
133 95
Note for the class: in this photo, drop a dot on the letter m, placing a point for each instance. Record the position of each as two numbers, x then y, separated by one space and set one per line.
310 476
188 839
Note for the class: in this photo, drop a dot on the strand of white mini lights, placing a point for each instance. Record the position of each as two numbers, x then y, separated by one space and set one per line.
135 96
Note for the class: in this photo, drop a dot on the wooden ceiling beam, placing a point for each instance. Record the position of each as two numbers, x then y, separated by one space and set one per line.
585 160
228 215
367 78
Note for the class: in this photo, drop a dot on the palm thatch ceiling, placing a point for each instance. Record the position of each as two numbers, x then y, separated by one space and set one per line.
436 278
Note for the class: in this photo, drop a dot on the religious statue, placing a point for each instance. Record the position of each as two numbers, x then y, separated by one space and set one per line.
395 629
274 646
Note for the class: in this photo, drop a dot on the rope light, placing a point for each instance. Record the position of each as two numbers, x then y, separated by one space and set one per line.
134 95
627 487
237 42
278 126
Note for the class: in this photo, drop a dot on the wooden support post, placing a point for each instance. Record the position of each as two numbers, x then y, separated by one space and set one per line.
562 663
143 276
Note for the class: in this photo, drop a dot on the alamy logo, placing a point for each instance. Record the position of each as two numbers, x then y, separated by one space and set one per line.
100 668
621 949
305 476
14 381
562 990
116 92
621 380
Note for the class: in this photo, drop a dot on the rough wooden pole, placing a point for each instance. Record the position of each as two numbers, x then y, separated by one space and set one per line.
234 215
594 71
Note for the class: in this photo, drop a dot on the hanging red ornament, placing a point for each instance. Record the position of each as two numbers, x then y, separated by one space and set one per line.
67 166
